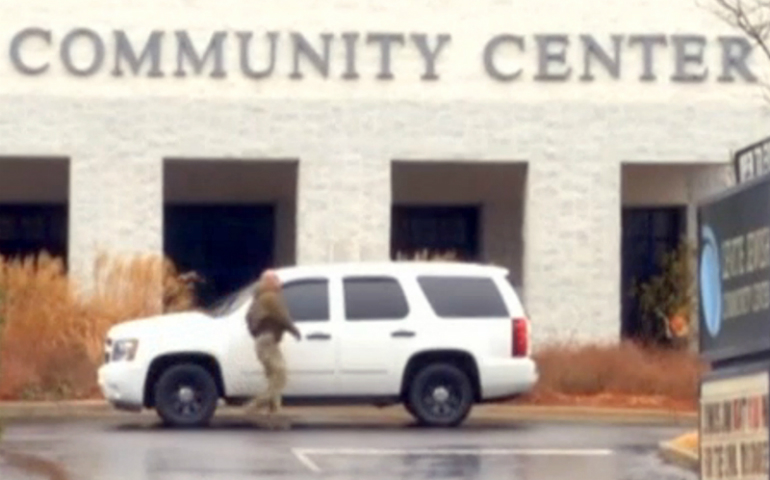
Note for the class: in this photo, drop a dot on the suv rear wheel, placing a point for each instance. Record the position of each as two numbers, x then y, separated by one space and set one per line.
440 395
186 396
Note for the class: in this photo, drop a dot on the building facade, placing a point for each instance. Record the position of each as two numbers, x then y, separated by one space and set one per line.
563 139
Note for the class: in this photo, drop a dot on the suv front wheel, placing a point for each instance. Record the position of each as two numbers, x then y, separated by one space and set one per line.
440 395
186 396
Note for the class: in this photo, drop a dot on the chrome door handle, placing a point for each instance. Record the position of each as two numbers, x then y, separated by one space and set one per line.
319 336
402 334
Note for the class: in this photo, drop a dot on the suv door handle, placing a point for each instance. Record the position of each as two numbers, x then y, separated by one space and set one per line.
402 334
319 336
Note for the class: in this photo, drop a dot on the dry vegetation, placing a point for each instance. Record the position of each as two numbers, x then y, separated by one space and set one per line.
623 375
54 329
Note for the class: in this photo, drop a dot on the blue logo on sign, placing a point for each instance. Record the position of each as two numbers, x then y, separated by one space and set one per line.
710 282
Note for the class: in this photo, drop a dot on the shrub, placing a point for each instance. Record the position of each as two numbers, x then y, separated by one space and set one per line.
667 300
623 369
55 328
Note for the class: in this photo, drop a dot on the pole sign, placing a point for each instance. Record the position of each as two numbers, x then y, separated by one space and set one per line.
734 271
733 433
752 161
734 321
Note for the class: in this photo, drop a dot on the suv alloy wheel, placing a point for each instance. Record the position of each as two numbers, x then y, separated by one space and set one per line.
186 396
441 395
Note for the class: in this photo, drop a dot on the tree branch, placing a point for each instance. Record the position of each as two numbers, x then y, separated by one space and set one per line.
750 17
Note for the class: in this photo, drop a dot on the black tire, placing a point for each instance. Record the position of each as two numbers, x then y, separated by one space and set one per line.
191 411
424 399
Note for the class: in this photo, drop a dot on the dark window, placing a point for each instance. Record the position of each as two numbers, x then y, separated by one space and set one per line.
31 229
374 298
437 229
456 297
228 245
307 300
647 233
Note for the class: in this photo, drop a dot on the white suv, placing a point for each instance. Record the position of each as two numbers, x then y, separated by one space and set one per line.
437 337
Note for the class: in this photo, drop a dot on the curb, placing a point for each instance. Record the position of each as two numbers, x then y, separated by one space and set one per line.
614 415
679 456
498 413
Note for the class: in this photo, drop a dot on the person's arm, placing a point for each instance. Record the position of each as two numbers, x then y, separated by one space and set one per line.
277 310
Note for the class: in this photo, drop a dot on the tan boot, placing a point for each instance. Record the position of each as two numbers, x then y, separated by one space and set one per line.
261 402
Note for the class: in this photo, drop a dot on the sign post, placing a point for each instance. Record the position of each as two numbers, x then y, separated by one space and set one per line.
734 320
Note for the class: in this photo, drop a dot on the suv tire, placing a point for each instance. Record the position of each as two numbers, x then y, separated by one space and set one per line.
186 396
440 395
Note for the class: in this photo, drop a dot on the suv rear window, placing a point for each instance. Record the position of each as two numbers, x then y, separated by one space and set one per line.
374 298
463 297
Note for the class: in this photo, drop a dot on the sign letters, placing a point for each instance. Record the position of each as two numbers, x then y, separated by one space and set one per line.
504 57
734 428
752 161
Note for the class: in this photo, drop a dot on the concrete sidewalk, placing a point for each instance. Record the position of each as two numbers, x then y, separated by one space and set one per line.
682 451
16 411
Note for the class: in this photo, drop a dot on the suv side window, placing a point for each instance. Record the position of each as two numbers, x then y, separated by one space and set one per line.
463 297
374 298
307 299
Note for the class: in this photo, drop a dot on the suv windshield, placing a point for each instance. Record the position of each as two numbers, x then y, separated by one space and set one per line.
231 302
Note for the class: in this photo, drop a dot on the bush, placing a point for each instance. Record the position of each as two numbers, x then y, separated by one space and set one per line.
54 328
667 300
625 369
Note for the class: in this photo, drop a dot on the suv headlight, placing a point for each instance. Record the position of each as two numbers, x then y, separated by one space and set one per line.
124 349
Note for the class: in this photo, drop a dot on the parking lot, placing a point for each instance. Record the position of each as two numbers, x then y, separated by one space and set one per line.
238 449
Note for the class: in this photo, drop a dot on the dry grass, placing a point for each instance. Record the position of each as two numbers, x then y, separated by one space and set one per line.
617 371
54 328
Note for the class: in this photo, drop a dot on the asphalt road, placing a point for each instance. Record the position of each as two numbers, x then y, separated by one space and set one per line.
236 449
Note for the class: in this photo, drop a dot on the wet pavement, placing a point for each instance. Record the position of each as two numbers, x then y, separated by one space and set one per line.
9 472
234 449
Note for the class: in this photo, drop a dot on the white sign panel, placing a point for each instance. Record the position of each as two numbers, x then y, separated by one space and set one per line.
752 161
733 428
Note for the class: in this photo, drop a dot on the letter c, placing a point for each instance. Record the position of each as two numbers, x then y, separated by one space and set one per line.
489 52
15 53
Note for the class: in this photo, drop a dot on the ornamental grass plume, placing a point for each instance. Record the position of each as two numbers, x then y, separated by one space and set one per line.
55 327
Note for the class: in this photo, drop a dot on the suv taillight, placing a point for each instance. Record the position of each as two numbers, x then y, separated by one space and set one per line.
520 337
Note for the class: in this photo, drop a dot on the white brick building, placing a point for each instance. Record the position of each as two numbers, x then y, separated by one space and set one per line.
105 125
